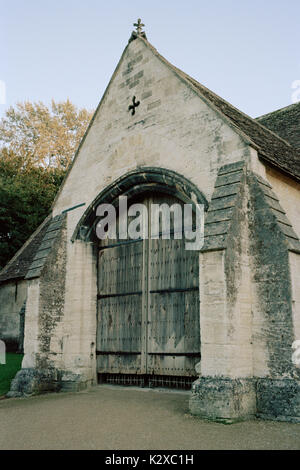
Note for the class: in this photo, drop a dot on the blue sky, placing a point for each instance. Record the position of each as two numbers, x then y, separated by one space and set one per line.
247 51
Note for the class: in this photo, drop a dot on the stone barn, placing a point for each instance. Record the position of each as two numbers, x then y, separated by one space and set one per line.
219 321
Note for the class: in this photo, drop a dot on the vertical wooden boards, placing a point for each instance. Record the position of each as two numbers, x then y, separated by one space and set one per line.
120 309
148 304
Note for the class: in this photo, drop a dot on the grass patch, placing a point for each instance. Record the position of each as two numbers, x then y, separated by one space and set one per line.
9 370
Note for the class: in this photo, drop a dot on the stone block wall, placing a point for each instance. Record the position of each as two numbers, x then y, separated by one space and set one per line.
13 295
249 312
172 128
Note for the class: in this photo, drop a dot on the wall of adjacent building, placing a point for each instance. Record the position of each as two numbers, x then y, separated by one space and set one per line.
287 191
12 297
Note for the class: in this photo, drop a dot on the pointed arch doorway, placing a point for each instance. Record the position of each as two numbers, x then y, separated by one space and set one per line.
148 308
148 325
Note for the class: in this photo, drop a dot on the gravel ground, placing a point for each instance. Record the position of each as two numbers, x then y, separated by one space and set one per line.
112 418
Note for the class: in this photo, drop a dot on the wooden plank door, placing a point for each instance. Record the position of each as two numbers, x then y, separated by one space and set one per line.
120 309
173 316
148 305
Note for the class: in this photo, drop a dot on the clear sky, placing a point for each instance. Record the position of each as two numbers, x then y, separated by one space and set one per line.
247 51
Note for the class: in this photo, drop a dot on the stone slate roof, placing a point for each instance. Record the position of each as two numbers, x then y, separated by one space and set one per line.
50 235
29 261
18 266
219 215
285 122
223 203
270 146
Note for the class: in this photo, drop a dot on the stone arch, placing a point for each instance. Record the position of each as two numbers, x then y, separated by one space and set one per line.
135 182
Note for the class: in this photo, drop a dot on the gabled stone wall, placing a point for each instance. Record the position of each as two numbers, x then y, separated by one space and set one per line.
172 128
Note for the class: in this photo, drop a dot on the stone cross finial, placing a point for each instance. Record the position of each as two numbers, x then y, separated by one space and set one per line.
139 25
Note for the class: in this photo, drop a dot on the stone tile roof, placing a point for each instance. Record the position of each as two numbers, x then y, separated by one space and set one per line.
52 231
285 122
18 266
224 201
220 212
270 146
29 261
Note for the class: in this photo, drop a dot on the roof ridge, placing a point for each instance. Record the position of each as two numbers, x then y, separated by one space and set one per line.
280 110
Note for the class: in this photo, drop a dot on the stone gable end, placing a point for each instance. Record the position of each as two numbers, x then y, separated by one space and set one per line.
172 128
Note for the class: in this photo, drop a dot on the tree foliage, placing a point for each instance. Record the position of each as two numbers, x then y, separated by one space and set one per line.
42 136
37 145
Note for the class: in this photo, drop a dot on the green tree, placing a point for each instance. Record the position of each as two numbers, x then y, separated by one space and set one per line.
42 136
26 195
37 145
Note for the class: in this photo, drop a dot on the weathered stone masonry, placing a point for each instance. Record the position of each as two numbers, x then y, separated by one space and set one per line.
248 240
185 141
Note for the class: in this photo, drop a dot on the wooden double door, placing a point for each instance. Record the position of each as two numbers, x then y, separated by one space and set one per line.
148 304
